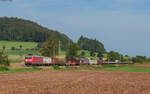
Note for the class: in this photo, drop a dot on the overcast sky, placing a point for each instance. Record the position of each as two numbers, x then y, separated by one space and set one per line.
122 25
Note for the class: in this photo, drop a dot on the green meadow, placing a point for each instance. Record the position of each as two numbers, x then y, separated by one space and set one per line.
16 44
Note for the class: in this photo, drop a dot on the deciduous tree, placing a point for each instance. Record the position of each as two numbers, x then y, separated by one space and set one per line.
72 51
50 47
4 59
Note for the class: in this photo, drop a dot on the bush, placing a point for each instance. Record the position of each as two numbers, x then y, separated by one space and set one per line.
4 59
82 54
140 59
36 49
32 49
4 47
4 68
92 54
56 67
13 48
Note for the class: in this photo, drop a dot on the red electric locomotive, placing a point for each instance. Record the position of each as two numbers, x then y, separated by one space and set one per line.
33 60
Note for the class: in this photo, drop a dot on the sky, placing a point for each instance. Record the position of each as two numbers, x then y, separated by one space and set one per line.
121 25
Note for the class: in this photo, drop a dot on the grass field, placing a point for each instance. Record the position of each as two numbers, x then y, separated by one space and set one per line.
25 45
126 69
118 68
123 68
5 70
17 52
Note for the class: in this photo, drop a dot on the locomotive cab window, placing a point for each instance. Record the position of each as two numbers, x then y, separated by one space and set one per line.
28 57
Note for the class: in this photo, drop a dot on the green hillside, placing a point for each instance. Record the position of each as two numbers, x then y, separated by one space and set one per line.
16 29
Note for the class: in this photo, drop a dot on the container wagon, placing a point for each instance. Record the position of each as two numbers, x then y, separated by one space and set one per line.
47 61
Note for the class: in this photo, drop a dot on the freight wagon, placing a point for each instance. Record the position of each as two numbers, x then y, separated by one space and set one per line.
47 61
72 63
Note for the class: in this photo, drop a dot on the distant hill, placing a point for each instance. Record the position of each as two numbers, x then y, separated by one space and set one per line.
16 29
91 45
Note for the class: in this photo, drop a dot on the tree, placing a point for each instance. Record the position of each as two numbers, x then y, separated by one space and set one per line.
20 46
13 48
39 45
50 47
82 53
140 59
91 45
100 55
112 56
92 53
72 51
4 59
20 52
122 58
4 47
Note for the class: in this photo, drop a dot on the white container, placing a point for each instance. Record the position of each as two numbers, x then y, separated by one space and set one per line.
93 62
47 60
84 61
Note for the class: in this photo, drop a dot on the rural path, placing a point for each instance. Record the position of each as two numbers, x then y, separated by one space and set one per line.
75 82
17 65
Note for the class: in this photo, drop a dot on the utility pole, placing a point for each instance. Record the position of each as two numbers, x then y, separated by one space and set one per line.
59 47
54 54
120 58
108 59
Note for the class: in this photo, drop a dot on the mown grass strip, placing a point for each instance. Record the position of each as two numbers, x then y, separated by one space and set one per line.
33 69
122 68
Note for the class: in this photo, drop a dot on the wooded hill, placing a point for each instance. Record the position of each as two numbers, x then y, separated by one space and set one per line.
91 45
16 29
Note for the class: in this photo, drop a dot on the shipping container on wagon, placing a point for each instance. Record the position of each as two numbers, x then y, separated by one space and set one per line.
93 62
84 61
47 61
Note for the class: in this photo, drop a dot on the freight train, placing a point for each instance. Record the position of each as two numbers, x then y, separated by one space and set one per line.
31 60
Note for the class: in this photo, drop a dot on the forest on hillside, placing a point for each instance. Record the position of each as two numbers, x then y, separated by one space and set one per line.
91 45
16 29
